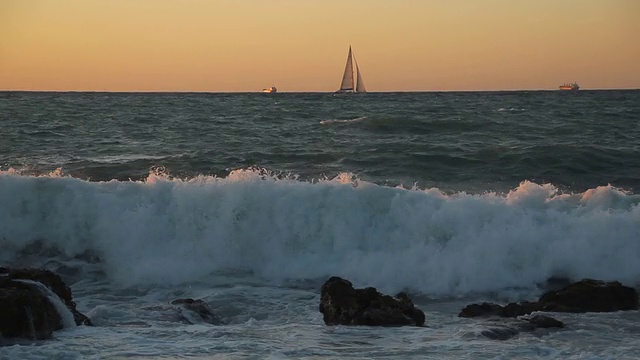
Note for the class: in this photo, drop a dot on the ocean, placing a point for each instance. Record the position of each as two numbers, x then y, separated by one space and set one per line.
251 201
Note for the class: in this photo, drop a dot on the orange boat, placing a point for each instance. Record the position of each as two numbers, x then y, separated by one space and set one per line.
570 87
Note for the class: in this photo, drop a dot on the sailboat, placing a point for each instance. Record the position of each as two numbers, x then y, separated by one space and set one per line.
348 85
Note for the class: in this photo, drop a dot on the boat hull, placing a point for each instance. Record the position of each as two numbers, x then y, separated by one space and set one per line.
569 87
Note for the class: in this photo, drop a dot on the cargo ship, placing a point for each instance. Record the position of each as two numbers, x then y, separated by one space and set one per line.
570 87
270 90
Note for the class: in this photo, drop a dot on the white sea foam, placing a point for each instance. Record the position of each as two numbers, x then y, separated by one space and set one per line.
510 109
333 121
173 231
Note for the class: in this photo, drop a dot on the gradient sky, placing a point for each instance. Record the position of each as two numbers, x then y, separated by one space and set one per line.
301 45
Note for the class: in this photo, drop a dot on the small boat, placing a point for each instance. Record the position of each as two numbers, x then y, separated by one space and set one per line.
348 85
270 90
570 87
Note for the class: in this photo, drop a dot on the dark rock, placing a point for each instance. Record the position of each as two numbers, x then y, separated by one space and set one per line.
55 283
519 309
409 309
543 321
341 304
25 312
590 296
583 296
489 309
484 309
48 278
199 307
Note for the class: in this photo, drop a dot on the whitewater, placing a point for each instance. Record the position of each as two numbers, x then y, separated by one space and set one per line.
139 199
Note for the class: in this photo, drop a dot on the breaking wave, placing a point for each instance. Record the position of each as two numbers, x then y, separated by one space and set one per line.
165 230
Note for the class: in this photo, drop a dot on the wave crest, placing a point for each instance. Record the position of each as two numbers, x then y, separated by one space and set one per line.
165 230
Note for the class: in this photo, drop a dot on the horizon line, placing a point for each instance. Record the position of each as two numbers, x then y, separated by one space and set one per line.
297 92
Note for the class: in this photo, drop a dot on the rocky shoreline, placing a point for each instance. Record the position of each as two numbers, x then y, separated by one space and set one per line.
587 295
30 311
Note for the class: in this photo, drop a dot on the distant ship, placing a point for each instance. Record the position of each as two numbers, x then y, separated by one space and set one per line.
270 90
348 85
570 87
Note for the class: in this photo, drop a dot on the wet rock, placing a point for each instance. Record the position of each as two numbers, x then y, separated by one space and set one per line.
583 296
25 312
489 309
56 284
543 321
590 296
484 309
341 304
200 308
519 309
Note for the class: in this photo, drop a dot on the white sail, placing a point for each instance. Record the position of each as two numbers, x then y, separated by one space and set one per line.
347 78
360 85
348 85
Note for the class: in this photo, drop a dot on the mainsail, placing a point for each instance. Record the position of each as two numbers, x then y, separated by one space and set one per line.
347 85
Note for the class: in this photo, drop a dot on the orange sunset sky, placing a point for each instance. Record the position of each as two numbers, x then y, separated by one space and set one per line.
301 45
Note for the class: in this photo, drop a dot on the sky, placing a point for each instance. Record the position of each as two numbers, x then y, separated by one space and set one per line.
302 45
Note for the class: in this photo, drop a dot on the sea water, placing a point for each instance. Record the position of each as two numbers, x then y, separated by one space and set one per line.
251 201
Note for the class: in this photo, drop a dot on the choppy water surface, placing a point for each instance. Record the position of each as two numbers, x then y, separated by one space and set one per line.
251 201
461 141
